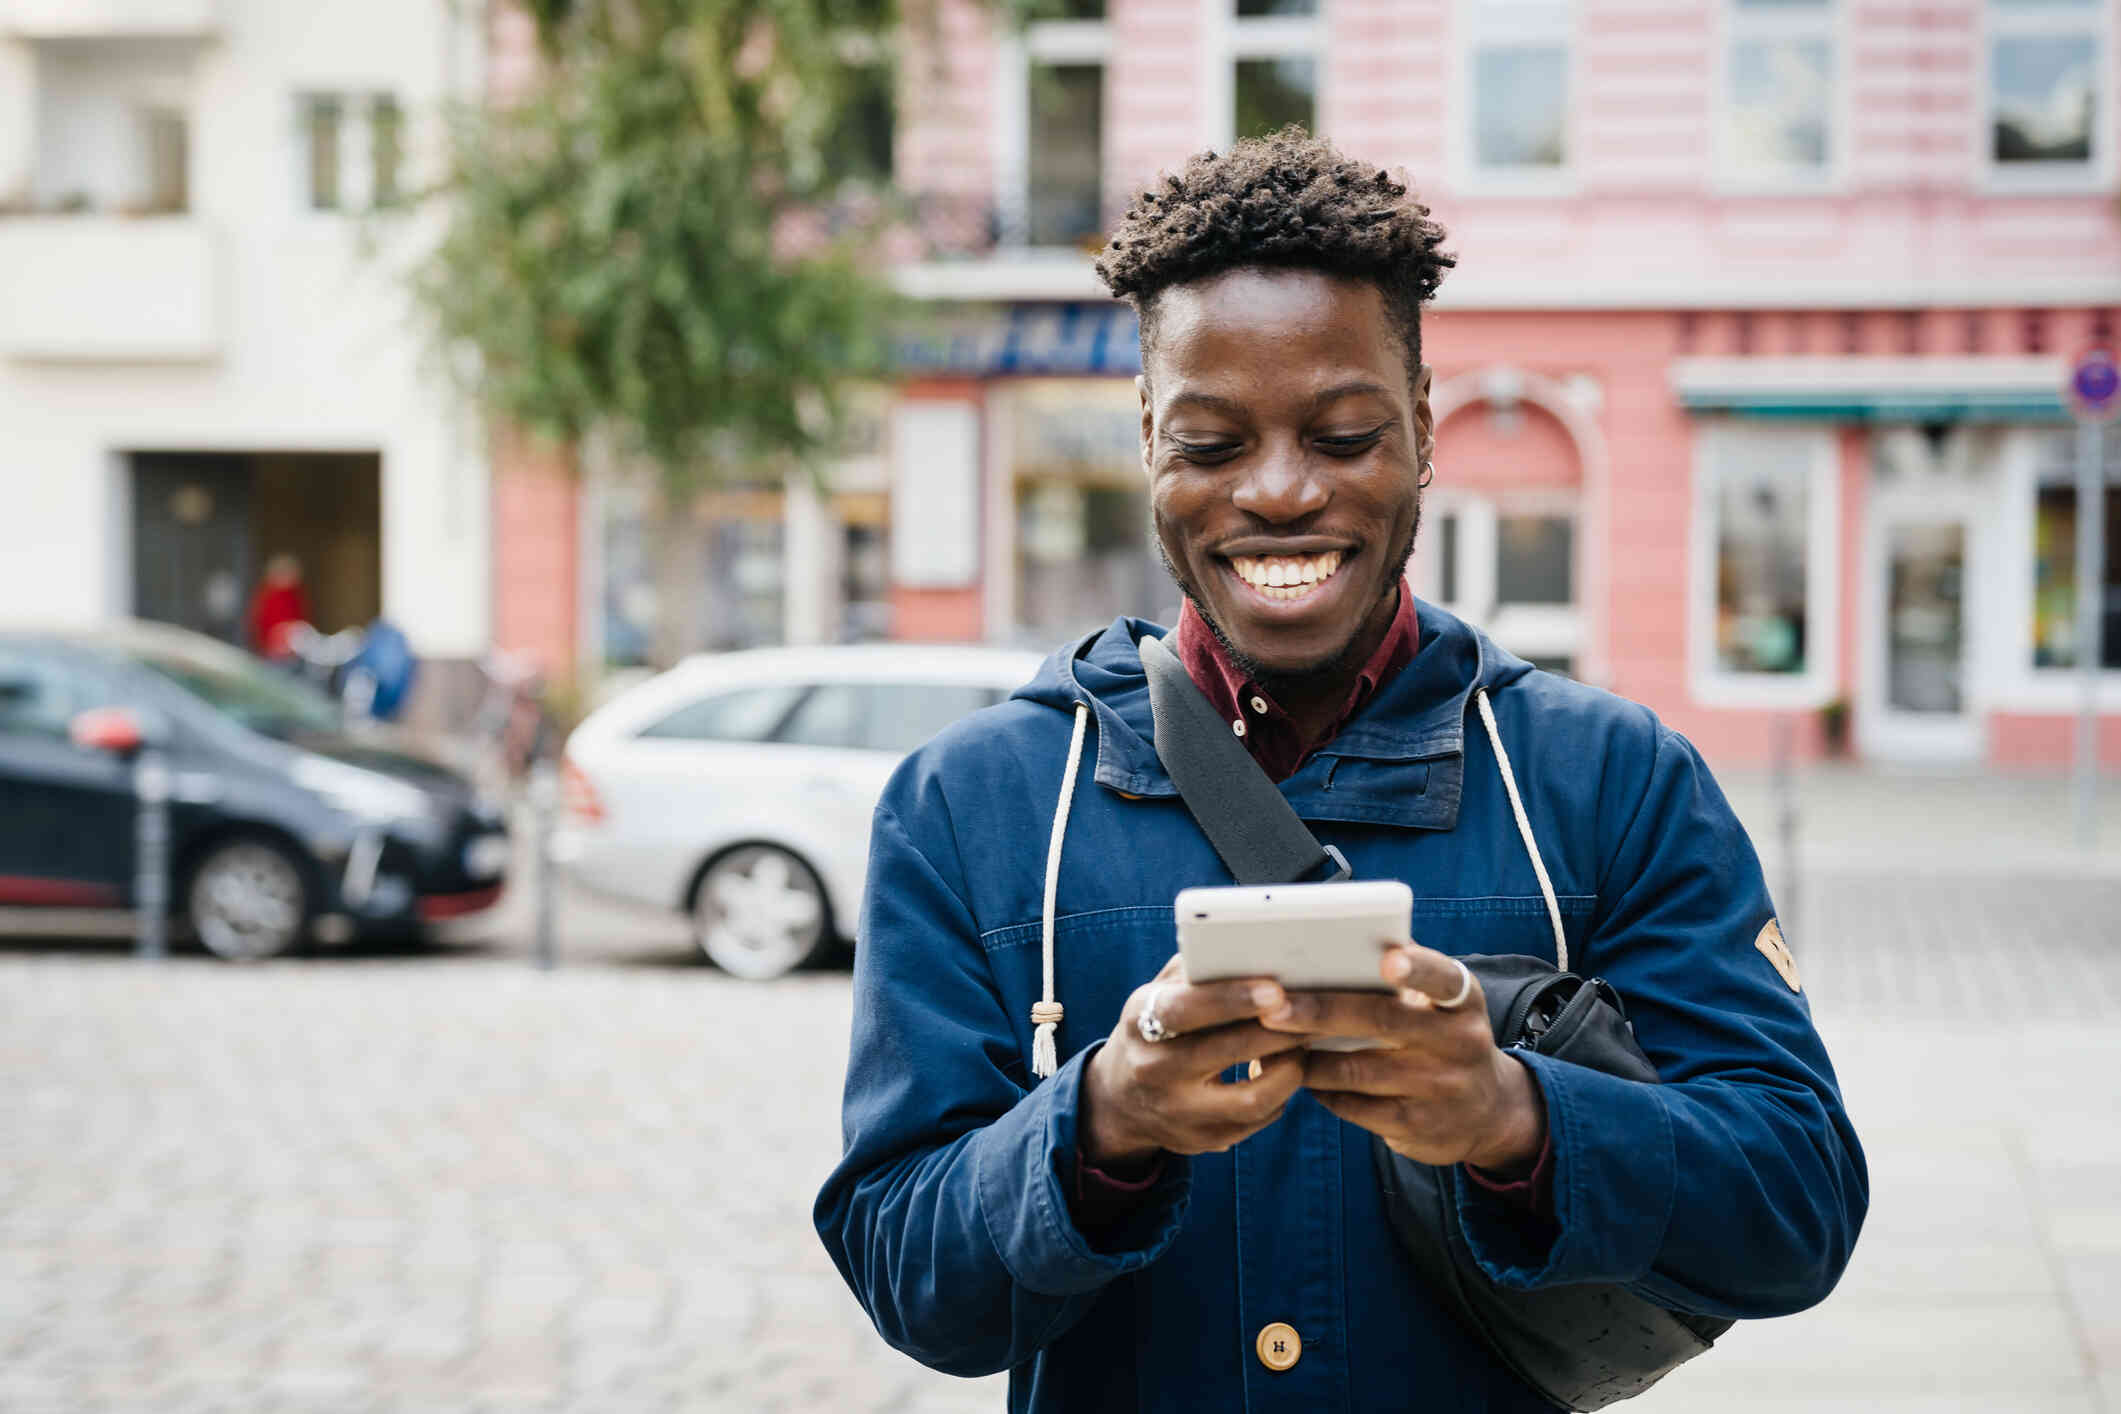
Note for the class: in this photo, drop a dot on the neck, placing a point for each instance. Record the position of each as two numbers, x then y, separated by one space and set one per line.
1314 699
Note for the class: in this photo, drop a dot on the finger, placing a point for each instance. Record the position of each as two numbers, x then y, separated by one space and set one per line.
1372 1112
1220 1047
1348 1014
1377 1072
1436 975
1255 1103
1186 1007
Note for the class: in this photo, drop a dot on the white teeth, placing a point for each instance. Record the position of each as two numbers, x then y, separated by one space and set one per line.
1286 577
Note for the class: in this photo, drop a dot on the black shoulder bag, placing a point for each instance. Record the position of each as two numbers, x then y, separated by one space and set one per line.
1579 1346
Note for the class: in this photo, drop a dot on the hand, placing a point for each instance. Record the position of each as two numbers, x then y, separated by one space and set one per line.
1439 1091
1141 1097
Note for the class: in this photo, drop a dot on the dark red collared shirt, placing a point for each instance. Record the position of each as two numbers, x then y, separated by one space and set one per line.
1267 731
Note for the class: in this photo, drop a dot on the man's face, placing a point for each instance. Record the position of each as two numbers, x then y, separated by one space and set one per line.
1283 441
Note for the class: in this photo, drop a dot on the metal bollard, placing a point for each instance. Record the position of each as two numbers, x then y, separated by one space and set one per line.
151 786
544 808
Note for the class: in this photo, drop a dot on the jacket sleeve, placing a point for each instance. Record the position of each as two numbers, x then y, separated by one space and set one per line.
947 1215
1737 1187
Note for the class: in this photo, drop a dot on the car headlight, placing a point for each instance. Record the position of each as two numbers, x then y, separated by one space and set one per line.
366 795
486 856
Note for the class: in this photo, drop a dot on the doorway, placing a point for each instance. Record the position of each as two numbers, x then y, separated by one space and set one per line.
1920 547
205 523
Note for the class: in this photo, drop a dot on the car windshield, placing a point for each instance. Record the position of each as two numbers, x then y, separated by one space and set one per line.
262 698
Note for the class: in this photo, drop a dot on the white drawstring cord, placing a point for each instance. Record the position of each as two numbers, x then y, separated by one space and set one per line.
1046 1013
1524 828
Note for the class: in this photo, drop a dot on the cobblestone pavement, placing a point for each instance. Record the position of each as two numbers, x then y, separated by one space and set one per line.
445 1181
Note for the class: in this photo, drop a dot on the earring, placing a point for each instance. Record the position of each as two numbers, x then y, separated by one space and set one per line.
1428 473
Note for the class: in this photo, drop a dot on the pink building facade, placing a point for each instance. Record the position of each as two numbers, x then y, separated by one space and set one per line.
1749 380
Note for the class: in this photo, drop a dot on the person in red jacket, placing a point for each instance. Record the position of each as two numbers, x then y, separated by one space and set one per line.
280 603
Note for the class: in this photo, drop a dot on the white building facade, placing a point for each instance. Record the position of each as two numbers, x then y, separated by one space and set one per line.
207 352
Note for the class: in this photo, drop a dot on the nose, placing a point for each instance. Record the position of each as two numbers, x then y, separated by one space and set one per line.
1279 487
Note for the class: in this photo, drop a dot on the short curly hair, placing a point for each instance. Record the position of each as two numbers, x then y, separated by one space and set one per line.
1289 200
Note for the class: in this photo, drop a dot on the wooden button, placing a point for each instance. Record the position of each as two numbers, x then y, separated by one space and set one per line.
1279 1346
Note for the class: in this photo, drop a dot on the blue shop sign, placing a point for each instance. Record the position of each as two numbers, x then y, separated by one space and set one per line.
1077 338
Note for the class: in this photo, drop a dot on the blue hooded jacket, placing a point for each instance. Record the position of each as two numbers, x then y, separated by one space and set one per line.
1735 1188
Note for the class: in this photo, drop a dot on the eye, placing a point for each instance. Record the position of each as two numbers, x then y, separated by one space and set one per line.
1352 443
1204 451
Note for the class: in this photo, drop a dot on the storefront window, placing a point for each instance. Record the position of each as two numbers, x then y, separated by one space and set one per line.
2055 579
1083 547
1761 504
1535 559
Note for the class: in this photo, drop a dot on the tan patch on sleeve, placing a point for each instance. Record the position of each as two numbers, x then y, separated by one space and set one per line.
1778 952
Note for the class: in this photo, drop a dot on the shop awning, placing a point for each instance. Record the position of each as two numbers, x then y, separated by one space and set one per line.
1870 389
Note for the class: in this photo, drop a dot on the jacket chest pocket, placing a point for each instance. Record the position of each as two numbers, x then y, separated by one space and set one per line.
1507 924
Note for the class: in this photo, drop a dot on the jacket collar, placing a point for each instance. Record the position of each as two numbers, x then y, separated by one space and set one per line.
1409 738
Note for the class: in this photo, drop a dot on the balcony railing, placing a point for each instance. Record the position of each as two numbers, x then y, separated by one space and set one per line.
109 19
95 288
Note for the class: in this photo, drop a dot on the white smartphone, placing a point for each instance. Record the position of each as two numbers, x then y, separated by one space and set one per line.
1309 937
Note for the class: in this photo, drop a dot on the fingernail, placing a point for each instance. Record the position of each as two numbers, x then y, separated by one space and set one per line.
1265 995
1254 1071
1397 966
1413 998
1281 1013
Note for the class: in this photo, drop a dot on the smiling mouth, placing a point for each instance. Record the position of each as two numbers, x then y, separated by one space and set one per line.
1285 579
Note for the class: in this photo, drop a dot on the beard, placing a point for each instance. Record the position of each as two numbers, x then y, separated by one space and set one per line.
1276 682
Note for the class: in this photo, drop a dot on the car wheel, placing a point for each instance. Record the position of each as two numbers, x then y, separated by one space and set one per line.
759 912
248 901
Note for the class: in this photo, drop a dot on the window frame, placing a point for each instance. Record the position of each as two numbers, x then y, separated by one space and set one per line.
1518 23
1079 42
2021 686
1526 629
355 191
1736 22
1231 37
1711 684
2036 19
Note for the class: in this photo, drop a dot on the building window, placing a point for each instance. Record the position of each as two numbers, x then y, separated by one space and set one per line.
1508 564
1271 64
1052 136
1067 153
2044 90
353 148
1516 73
1764 566
1778 111
2054 586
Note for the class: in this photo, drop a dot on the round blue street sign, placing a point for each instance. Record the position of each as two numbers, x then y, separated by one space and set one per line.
2095 384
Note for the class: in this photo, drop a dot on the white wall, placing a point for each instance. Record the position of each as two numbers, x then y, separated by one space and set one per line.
318 347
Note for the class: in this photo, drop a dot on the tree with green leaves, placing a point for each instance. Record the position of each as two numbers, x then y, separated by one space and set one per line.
659 243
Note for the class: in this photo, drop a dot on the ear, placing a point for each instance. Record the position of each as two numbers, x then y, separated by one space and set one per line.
1424 416
1141 386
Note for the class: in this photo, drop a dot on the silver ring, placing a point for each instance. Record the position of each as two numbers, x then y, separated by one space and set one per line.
1149 1023
1465 988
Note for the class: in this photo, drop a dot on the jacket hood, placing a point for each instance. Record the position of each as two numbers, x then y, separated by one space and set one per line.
1420 713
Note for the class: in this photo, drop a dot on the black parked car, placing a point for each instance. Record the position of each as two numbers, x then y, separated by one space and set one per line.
281 824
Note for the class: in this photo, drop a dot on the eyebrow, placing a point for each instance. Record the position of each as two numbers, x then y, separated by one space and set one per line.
1229 407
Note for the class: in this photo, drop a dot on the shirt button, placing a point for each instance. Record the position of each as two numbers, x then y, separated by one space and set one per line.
1279 1346
1259 705
1237 725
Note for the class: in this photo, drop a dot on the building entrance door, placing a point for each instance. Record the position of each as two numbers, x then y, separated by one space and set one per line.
1915 701
192 562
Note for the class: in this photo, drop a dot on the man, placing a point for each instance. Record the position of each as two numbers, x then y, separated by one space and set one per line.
1147 1229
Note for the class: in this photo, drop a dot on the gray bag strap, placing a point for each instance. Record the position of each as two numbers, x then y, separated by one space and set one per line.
1249 821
